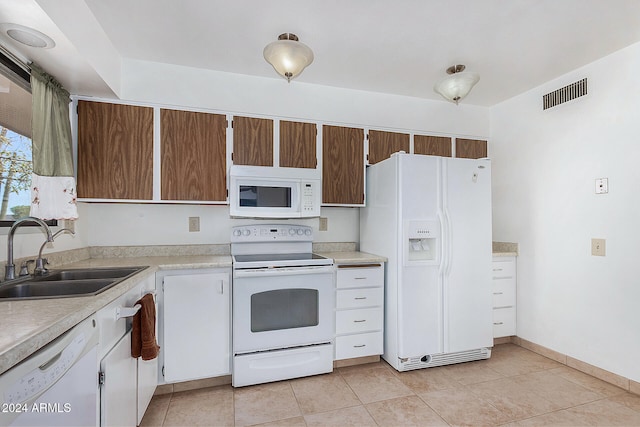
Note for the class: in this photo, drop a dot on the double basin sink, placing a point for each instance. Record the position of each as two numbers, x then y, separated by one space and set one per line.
66 283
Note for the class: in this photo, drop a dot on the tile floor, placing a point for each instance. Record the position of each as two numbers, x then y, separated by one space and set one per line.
515 387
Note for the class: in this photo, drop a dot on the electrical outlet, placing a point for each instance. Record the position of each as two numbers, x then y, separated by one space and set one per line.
598 247
602 185
194 223
324 224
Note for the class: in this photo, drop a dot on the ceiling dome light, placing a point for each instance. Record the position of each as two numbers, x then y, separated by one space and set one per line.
457 85
27 36
288 56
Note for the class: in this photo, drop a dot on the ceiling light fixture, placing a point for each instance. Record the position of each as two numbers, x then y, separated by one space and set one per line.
288 56
457 85
27 36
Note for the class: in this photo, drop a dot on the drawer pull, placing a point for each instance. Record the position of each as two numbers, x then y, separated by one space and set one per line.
360 298
359 278
359 346
498 323
497 269
498 293
359 321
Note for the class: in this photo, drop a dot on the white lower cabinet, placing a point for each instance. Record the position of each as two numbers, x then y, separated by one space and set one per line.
195 323
126 384
504 296
359 310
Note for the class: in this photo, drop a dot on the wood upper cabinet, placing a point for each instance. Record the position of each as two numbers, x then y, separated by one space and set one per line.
383 144
298 145
471 148
252 141
115 151
342 165
193 156
432 145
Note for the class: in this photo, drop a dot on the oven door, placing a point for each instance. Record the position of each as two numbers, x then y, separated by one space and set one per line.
282 307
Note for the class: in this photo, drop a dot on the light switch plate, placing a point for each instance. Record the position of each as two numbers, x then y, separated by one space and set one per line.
598 247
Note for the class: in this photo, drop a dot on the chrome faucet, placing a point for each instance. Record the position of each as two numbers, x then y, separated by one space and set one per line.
10 268
41 269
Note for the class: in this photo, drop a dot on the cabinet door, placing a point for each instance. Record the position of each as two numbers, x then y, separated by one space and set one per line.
115 151
471 148
298 145
342 165
196 326
432 145
383 144
252 141
118 400
193 155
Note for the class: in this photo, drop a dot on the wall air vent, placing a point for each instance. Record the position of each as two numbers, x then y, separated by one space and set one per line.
567 93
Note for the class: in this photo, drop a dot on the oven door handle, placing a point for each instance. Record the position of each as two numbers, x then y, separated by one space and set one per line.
267 272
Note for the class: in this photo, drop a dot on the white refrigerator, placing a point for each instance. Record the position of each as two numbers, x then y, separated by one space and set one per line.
431 217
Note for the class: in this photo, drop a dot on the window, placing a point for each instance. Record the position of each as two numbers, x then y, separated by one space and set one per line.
15 140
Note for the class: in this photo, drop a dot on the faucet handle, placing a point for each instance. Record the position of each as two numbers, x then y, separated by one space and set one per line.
41 268
24 268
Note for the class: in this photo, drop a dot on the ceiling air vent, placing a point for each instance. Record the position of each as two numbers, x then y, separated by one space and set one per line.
567 93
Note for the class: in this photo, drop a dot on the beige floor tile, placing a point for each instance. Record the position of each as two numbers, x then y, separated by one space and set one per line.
364 367
515 400
428 379
205 407
265 403
559 418
587 381
157 410
472 372
322 393
604 413
556 389
629 400
404 411
460 406
354 416
372 385
289 422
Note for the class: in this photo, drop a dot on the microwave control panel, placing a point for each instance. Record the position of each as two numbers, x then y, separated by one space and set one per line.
310 199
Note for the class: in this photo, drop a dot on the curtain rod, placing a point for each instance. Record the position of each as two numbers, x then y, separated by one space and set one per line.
20 63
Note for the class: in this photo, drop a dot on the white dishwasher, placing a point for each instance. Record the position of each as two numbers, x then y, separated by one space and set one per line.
56 386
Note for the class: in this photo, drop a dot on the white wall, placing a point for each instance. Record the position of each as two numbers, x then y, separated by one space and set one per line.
544 168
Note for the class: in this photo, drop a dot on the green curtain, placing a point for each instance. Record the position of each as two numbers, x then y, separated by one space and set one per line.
51 138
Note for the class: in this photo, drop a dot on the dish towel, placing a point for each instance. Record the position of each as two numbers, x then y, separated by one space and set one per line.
143 333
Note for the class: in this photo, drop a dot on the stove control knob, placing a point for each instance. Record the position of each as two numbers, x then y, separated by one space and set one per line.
307 232
246 232
292 231
300 231
237 232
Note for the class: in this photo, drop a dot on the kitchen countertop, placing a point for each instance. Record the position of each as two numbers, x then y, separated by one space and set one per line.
352 257
28 325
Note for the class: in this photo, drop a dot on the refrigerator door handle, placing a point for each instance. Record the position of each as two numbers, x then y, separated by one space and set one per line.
443 233
446 244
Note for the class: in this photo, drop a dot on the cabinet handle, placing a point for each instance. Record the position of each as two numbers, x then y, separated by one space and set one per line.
497 269
360 298
359 346
359 278
222 287
497 293
359 321
498 323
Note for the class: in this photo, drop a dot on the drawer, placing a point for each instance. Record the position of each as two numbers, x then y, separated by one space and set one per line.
351 276
504 322
358 298
362 320
503 268
359 345
504 292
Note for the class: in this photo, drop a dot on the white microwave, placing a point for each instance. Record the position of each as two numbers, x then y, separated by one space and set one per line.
270 192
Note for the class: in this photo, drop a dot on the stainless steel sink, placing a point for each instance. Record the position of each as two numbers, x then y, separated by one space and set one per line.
88 273
66 283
